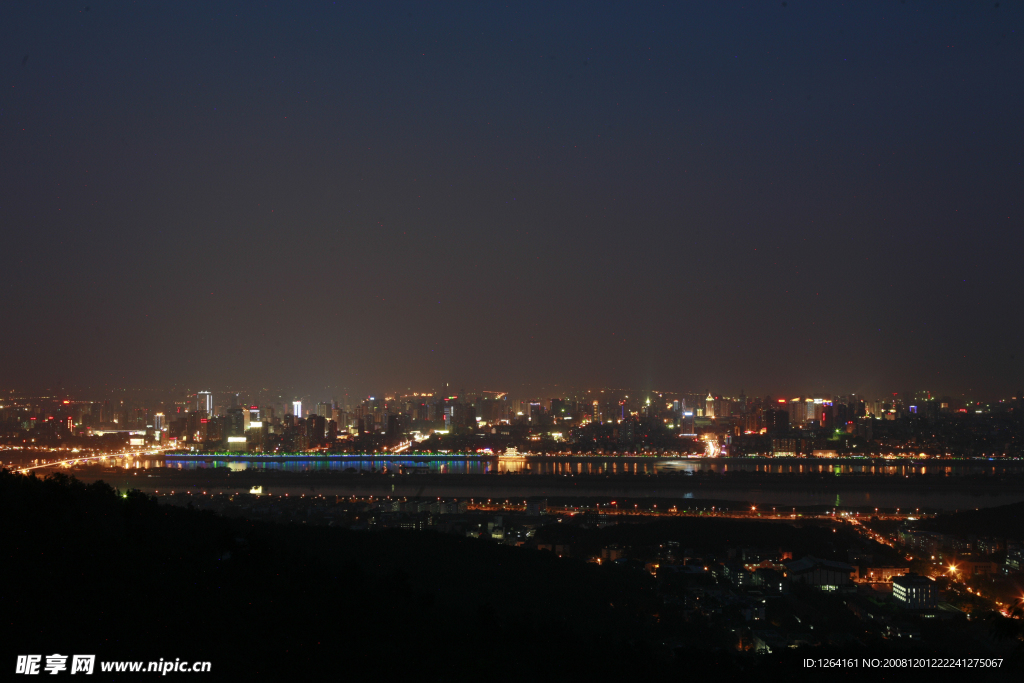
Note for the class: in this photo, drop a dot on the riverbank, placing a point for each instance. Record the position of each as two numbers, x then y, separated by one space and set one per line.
935 492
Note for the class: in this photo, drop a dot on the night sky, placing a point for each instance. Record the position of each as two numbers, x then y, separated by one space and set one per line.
781 197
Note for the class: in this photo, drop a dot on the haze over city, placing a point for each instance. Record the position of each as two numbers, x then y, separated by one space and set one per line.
783 198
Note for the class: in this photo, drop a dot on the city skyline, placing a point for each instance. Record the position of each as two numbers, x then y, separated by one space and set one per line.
486 424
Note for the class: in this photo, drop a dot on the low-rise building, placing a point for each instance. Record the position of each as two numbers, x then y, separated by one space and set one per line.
612 553
771 580
769 641
883 574
825 574
737 574
914 591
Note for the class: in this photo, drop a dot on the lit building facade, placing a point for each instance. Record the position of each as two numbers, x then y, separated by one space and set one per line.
914 591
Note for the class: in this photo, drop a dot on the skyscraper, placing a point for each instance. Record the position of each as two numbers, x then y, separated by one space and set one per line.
235 422
204 402
316 429
776 421
297 408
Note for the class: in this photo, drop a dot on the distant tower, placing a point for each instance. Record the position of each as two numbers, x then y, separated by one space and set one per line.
235 422
158 422
709 402
204 402
297 409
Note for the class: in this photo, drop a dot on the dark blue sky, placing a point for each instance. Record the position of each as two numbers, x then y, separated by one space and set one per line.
779 197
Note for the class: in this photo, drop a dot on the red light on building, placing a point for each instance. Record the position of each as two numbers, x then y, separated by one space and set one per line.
203 420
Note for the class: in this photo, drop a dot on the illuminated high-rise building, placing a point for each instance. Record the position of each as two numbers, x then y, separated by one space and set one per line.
158 422
723 407
709 402
297 408
204 402
797 411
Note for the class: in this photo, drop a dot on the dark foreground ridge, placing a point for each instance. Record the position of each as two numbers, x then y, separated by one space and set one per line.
90 570
1002 520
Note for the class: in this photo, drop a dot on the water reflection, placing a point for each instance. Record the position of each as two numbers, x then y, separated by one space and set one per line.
585 466
353 465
